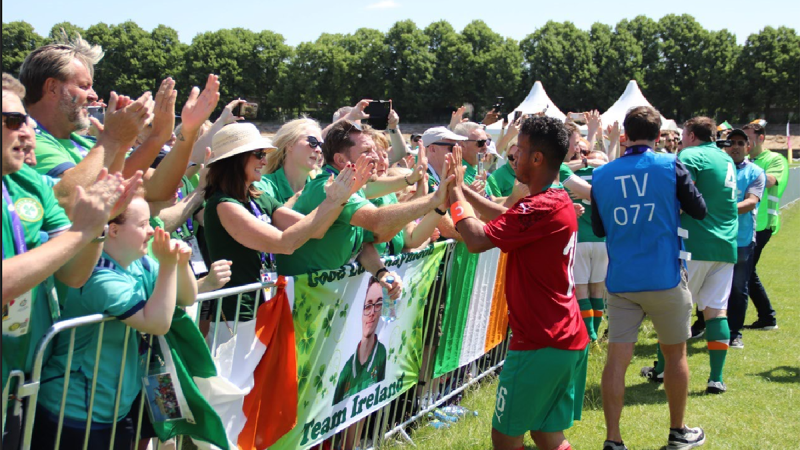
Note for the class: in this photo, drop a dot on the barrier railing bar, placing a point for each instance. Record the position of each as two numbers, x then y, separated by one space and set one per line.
90 410
70 354
119 387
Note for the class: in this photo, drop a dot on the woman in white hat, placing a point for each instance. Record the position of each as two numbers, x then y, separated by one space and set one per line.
247 228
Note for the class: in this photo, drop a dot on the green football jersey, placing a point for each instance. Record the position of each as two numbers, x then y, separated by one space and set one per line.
585 233
355 377
776 165
714 174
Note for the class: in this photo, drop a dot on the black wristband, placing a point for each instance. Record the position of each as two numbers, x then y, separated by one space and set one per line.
378 273
439 211
408 182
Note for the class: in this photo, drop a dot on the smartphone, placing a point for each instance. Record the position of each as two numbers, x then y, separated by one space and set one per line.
247 110
98 112
378 111
576 116
517 115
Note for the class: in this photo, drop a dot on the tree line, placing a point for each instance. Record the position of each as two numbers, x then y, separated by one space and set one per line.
682 68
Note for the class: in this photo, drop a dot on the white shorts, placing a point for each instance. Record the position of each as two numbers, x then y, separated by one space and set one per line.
710 283
591 262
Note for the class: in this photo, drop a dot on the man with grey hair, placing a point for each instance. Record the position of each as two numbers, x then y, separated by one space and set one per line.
58 82
475 147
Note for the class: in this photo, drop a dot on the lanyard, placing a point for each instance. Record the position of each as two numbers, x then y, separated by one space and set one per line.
636 150
80 148
16 225
259 215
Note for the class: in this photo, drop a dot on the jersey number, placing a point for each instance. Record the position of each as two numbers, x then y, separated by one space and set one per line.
730 180
501 399
570 250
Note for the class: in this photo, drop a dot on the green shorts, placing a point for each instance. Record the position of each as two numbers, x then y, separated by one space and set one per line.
540 390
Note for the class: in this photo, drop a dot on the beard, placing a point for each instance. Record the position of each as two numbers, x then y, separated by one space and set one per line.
68 105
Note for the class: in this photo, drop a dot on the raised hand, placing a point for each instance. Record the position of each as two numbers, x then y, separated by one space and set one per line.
394 120
184 252
421 168
394 289
166 250
124 123
592 121
199 106
478 186
92 208
338 190
457 166
363 170
579 209
227 116
491 117
131 187
219 274
456 117
357 113
203 172
164 111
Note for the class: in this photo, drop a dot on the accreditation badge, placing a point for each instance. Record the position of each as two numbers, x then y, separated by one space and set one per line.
196 260
17 315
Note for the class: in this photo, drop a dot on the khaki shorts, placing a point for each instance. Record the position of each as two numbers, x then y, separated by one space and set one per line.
669 310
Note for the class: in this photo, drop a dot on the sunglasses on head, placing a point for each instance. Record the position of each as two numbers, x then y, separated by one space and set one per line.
15 120
480 142
314 142
260 154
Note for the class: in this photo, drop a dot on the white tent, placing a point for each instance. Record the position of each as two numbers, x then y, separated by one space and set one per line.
631 98
536 101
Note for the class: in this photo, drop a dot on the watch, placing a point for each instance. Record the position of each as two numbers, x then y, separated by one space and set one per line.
585 162
102 236
439 211
391 130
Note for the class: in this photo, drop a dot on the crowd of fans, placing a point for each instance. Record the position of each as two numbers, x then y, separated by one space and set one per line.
132 217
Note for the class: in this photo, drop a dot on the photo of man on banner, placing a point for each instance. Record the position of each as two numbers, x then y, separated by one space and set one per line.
367 366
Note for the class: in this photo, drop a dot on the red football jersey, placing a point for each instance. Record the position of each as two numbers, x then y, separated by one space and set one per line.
540 233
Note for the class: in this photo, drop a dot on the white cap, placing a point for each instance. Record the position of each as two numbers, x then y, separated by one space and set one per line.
492 149
437 134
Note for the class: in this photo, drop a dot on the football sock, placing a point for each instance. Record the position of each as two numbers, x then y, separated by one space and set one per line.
718 335
598 306
585 305
660 362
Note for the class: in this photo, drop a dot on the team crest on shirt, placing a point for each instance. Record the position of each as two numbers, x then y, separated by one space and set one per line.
29 209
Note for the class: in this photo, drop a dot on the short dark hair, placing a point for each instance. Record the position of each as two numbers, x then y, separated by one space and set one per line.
704 128
572 127
642 123
338 139
757 129
548 136
227 176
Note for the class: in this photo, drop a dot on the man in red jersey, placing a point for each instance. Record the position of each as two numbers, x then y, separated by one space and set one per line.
542 384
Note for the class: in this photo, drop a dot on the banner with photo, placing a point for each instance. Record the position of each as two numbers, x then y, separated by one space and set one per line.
349 361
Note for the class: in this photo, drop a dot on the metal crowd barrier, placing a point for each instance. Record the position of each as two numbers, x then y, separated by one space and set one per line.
395 419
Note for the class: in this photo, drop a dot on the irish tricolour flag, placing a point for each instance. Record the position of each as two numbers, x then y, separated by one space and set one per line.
476 313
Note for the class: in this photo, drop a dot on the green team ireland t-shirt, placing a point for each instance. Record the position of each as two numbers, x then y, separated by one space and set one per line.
276 185
341 242
355 377
55 156
26 318
585 233
714 174
396 244
246 262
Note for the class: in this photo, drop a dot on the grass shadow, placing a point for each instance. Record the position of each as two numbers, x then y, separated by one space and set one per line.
780 374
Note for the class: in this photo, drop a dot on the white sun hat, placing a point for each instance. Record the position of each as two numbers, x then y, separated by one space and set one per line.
238 138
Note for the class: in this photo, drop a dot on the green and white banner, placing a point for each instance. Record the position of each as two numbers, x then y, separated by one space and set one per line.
350 362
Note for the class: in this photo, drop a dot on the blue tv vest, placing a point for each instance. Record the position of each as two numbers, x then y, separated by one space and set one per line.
636 198
746 174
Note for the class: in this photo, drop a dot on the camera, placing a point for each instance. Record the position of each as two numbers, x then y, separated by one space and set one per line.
247 110
722 143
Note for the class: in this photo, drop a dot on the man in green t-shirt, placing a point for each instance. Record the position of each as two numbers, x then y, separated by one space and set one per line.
767 220
711 241
345 143
31 268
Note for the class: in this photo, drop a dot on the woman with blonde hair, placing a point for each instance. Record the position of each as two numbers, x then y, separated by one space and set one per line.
289 168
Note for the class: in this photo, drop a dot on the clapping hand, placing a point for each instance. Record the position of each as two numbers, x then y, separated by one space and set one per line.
200 105
164 112
124 120
166 250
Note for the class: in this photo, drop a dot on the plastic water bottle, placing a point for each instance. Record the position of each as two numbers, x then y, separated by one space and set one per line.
389 310
480 165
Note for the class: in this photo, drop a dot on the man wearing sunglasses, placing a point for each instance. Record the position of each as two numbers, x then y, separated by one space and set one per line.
30 208
668 142
475 147
750 183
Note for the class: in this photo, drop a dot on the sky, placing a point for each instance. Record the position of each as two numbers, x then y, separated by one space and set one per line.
302 21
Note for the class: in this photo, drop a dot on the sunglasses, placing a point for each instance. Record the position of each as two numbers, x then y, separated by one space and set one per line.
314 142
450 145
480 142
260 154
15 120
512 158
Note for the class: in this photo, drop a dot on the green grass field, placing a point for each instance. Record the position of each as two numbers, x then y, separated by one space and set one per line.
761 409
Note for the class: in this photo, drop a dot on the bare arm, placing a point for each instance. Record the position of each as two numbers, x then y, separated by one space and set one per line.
471 229
487 209
178 214
748 204
579 188
372 263
187 284
399 148
163 124
422 231
382 221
